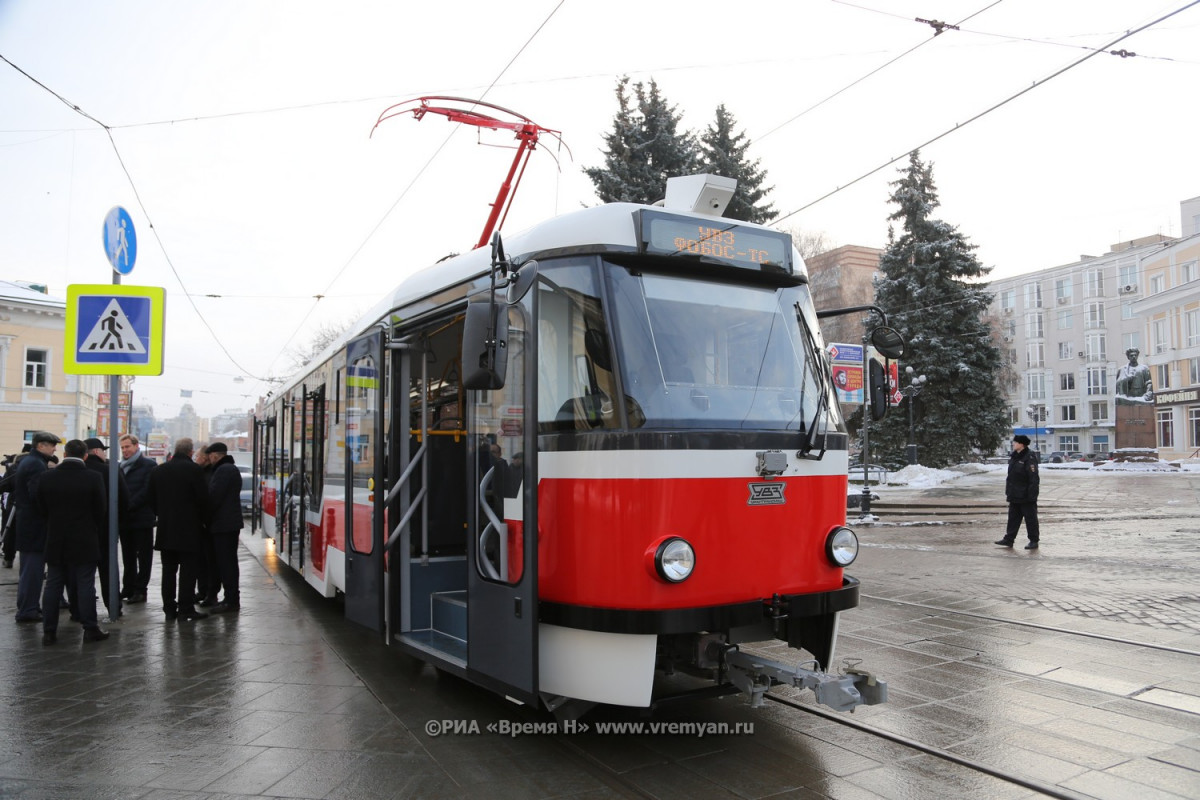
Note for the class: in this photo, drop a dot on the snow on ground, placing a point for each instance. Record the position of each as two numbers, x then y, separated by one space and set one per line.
916 476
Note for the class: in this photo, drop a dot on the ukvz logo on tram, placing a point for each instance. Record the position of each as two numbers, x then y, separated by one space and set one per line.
766 494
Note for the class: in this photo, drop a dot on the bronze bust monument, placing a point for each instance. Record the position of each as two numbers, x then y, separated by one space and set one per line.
1133 381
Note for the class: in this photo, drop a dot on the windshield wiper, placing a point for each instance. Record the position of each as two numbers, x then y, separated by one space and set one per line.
816 368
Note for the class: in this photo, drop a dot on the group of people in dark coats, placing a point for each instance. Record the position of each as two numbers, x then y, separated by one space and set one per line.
60 520
193 508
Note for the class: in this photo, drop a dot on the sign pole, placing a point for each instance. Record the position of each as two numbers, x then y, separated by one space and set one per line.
114 475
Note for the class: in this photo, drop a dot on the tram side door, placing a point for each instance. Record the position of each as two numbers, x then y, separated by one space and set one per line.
364 481
502 612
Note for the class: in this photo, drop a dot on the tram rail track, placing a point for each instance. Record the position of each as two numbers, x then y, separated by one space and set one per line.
1007 776
1040 626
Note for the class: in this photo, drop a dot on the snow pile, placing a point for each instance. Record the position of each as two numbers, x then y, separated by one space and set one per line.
1137 466
915 476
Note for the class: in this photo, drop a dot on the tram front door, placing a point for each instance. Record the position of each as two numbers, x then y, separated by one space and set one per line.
502 604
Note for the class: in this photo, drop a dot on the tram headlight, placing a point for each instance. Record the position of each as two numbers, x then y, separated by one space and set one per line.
674 560
841 546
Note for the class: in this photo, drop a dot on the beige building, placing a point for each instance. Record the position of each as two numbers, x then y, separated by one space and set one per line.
35 393
839 278
1169 307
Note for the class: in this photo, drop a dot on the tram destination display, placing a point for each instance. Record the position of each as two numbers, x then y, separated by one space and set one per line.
716 239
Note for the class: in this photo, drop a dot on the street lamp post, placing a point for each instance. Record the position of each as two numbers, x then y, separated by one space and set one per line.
916 384
1037 415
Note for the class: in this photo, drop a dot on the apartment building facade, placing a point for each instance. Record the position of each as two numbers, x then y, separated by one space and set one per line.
1170 308
1066 330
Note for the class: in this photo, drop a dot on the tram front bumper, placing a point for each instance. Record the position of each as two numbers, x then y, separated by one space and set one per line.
809 621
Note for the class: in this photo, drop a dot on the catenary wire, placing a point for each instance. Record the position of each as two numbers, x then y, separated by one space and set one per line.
988 110
404 193
145 212
875 71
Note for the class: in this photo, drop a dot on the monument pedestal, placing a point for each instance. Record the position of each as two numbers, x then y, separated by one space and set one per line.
1135 427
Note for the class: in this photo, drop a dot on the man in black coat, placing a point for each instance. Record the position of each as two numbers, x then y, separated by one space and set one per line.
9 521
225 503
97 461
31 526
208 579
1021 491
178 494
137 523
76 510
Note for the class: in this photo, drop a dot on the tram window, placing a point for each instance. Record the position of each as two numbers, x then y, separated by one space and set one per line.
576 386
701 354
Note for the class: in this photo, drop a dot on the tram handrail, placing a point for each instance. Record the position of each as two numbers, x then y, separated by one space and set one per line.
496 525
400 483
399 529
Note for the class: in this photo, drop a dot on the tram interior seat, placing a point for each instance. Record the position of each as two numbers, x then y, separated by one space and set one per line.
581 413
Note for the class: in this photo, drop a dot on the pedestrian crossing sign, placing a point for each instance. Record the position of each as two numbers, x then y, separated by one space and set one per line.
114 329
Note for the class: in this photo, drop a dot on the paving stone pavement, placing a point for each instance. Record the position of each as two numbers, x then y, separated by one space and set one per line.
288 700
1114 545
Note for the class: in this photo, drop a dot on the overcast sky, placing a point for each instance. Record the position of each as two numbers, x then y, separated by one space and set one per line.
244 129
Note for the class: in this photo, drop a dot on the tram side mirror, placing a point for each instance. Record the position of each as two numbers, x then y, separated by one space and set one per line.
518 285
879 389
888 342
485 345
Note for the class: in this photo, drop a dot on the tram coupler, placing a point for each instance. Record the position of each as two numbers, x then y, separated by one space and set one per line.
754 676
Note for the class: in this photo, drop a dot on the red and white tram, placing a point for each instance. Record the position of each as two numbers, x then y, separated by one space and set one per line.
616 451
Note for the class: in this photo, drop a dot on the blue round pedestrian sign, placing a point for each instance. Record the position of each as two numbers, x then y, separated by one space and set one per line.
120 241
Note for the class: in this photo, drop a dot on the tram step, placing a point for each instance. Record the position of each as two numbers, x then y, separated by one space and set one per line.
450 613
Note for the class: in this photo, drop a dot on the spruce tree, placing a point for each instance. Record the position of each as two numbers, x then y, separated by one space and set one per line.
723 152
644 148
929 285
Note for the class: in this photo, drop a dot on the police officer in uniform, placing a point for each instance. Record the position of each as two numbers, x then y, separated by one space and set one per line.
1021 491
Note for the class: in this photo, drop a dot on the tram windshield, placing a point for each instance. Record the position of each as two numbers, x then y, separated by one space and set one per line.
707 354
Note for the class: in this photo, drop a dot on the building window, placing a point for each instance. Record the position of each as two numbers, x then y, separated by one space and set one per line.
1033 295
1008 300
1037 386
1010 327
1033 326
1187 272
1100 443
1062 291
1126 310
1127 275
1066 350
36 362
1193 426
1095 346
1094 283
1158 283
1130 341
1158 335
1191 327
1193 371
1012 355
1095 315
1066 381
1014 416
1067 413
1099 412
1036 355
1065 319
1164 376
1166 427
1068 444
1097 380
